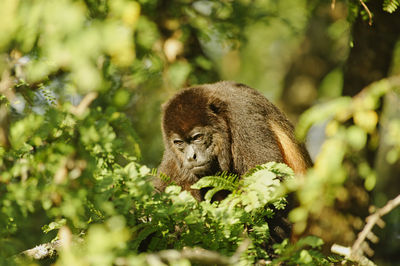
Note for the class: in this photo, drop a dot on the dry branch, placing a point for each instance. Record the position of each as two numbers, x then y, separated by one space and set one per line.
43 251
356 252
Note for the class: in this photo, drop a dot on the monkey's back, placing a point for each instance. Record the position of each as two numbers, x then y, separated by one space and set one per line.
250 116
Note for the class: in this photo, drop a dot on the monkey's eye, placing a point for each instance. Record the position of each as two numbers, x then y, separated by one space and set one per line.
178 143
198 137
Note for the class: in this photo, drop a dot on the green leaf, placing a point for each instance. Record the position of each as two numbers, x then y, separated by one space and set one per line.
311 241
222 182
390 6
356 137
305 257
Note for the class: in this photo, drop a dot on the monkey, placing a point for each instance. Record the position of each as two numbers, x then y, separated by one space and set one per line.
224 127
227 127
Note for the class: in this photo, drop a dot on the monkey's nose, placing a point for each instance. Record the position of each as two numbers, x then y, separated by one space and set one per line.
190 154
192 157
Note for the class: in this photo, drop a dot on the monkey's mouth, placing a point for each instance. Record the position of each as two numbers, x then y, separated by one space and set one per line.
200 169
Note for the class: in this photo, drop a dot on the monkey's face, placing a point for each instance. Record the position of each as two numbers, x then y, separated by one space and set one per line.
196 151
196 134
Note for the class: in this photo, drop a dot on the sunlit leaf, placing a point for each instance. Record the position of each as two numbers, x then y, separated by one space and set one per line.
367 120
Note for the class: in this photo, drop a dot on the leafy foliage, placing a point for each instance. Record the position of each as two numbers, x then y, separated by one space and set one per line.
297 254
77 178
225 181
345 144
390 5
263 179
49 153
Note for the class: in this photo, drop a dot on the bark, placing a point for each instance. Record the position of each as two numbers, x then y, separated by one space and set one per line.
371 56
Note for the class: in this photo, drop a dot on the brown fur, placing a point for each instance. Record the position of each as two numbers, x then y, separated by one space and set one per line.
291 151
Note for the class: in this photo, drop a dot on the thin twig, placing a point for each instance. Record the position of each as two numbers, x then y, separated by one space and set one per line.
373 219
84 104
240 250
368 12
6 85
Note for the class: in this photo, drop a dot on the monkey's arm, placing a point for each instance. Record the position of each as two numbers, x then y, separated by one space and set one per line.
169 169
166 170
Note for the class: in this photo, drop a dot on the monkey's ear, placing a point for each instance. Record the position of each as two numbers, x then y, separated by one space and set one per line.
217 106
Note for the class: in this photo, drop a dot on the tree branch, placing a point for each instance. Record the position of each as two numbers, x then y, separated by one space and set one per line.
356 252
43 251
198 255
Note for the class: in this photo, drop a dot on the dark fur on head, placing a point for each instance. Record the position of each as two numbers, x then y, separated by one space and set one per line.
188 109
